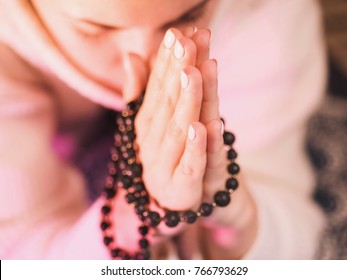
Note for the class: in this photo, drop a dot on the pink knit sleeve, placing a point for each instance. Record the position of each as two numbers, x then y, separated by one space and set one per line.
43 206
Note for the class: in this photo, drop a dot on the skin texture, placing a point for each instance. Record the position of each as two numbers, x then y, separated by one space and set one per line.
178 127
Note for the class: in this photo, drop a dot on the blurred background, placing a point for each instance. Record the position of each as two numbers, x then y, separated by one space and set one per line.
335 17
327 136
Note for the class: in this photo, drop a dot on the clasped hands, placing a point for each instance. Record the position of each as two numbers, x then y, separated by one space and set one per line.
178 127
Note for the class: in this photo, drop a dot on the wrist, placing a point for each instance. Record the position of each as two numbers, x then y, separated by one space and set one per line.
234 227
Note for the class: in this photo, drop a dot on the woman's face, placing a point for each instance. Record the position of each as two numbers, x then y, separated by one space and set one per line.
97 34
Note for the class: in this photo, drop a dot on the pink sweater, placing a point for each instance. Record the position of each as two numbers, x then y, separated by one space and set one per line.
272 78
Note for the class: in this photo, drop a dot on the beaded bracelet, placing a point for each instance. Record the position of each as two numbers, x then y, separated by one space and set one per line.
126 172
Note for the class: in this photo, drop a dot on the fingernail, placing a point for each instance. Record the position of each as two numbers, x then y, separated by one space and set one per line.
195 29
222 128
184 80
209 43
169 39
179 50
191 133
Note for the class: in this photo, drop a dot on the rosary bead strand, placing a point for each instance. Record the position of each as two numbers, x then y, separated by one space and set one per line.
125 172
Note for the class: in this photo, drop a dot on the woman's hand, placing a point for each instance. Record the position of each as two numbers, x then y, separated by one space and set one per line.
171 140
178 127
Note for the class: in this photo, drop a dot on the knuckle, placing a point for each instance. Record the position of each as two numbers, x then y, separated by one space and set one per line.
164 100
186 169
175 130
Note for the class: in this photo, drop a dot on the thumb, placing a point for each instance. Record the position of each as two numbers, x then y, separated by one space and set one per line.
136 76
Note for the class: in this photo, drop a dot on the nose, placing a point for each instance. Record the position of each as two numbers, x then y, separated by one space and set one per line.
141 42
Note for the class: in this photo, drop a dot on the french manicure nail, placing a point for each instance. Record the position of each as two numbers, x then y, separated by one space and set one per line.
191 133
179 50
169 39
184 80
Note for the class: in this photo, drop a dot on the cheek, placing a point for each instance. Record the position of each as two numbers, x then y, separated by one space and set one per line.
100 61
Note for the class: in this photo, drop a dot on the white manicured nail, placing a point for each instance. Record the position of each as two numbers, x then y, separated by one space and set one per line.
191 133
222 128
169 39
179 50
195 29
184 80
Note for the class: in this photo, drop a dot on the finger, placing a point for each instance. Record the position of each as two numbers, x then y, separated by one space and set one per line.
215 172
202 39
187 111
136 77
155 83
184 54
188 175
185 187
210 101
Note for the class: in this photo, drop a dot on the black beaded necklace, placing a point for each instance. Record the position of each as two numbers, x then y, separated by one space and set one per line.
126 172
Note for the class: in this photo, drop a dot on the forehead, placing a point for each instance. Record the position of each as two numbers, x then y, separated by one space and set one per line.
127 12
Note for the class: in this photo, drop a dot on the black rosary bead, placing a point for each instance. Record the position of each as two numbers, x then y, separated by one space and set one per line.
222 198
139 256
143 243
126 181
205 209
126 257
125 139
232 155
110 193
132 105
104 225
140 209
144 200
131 153
142 256
172 218
143 230
131 135
136 170
154 219
231 184
130 198
105 209
116 253
189 216
126 155
139 187
108 240
233 168
228 138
